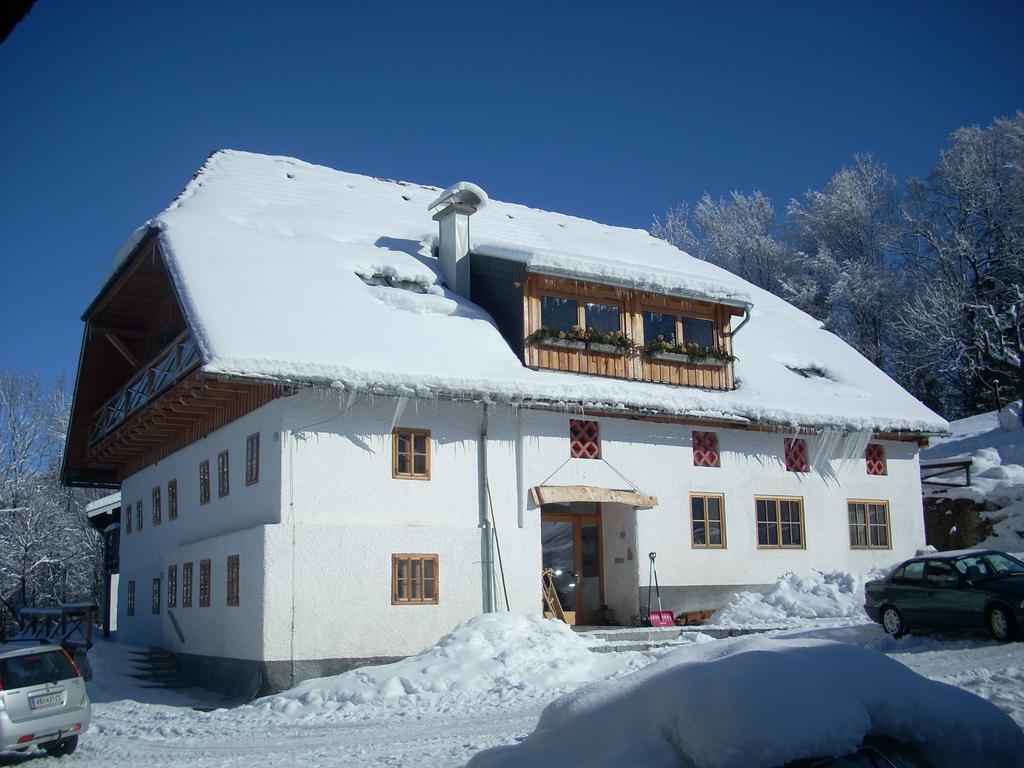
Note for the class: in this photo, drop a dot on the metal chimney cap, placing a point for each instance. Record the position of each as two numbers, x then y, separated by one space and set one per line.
461 193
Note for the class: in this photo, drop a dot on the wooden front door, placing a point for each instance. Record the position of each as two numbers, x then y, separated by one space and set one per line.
571 547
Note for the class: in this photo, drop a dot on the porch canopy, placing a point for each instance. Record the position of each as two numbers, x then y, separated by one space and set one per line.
561 494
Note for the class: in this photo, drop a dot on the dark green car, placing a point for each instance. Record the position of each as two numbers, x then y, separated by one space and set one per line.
975 589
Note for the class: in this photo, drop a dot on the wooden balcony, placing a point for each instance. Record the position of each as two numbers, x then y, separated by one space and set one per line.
173 363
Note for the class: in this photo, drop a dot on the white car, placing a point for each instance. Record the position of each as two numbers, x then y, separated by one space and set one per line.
43 700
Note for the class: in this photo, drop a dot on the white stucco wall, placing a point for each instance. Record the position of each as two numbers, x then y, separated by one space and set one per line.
316 535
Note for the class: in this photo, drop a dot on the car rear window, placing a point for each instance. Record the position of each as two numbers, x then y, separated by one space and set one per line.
35 669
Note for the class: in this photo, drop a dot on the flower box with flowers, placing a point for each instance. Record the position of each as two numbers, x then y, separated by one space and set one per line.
592 339
687 352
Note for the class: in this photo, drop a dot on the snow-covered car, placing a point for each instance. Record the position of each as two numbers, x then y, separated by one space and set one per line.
762 702
974 589
43 701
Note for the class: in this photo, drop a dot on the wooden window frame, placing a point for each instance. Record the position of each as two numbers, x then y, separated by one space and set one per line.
156 595
577 446
130 599
410 454
396 599
172 499
140 516
186 584
205 582
234 580
705 450
796 455
252 459
581 300
868 527
157 507
778 523
678 314
223 474
707 528
874 459
172 586
204 482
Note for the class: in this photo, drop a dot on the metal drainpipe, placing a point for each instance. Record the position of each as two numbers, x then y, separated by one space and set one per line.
487 537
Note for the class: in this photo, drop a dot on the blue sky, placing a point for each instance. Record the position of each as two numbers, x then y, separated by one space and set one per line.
611 111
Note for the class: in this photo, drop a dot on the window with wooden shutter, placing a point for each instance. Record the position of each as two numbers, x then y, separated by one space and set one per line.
410 456
138 515
130 599
234 583
252 459
156 595
796 455
222 475
186 585
204 481
172 499
157 511
584 439
172 586
705 449
204 583
874 455
415 579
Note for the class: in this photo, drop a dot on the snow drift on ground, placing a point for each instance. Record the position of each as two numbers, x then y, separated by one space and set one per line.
994 441
834 595
762 703
490 659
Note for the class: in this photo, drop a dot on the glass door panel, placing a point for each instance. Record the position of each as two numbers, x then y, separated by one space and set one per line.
559 554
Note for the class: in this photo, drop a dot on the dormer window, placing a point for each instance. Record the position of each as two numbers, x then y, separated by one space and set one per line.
564 314
560 313
670 328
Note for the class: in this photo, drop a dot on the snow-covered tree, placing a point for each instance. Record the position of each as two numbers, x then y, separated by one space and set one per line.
48 553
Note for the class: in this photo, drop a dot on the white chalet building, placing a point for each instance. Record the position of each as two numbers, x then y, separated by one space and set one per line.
340 428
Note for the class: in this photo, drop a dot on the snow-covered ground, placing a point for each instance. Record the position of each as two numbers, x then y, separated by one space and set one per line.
487 683
995 443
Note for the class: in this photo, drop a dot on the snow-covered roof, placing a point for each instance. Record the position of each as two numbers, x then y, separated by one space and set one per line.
269 256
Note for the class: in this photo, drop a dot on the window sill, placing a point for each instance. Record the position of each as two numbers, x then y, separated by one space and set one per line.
676 357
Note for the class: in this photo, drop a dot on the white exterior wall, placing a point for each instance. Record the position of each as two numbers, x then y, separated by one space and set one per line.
317 533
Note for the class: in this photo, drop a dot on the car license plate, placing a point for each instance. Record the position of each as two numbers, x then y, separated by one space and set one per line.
48 700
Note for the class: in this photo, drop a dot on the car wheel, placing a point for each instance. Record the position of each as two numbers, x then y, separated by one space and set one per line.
65 746
1000 622
892 622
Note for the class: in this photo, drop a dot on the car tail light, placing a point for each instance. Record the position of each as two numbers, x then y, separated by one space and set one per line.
26 738
76 727
71 661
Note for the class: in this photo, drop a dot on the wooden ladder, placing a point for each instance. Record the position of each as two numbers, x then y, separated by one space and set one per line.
551 601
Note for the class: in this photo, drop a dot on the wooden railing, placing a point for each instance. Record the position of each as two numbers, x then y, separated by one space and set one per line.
172 363
949 473
69 625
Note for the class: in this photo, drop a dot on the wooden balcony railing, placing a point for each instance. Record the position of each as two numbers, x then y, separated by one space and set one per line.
176 360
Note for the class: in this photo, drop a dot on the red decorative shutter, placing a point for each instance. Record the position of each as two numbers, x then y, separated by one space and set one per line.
874 455
796 455
705 449
584 439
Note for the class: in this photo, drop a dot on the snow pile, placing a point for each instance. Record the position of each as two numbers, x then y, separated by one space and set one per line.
834 595
489 659
994 441
765 703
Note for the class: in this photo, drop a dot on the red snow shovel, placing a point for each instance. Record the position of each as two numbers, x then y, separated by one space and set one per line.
658 618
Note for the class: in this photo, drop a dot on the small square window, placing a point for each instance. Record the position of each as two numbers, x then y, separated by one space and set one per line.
705 450
869 524
559 313
780 522
415 579
410 457
222 474
874 456
707 516
252 459
697 330
584 439
796 455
